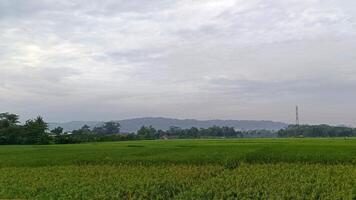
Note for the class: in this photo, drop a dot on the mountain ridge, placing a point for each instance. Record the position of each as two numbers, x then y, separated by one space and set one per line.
132 125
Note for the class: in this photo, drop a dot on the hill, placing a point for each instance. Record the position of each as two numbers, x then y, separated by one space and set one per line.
132 125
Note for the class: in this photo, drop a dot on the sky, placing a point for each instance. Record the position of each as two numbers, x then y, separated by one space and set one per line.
204 59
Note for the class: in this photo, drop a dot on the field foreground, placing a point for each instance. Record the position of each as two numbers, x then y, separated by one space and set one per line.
182 169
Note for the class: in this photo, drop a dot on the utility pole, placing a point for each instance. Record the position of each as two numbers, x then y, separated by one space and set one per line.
296 116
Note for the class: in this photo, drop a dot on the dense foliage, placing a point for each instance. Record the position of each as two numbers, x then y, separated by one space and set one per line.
317 131
176 132
32 132
109 131
35 131
86 134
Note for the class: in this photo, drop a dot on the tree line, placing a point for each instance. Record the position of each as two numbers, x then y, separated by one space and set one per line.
35 131
322 130
148 132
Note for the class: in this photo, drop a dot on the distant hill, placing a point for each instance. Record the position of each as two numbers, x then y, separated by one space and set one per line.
132 125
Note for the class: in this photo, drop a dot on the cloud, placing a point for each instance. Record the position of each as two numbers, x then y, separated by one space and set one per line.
211 59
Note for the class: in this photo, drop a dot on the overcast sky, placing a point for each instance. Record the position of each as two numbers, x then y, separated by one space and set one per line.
228 59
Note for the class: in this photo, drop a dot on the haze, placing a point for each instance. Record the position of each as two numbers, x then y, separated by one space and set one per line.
224 59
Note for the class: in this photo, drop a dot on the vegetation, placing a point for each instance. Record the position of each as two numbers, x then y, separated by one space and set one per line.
181 169
32 132
317 131
35 131
176 132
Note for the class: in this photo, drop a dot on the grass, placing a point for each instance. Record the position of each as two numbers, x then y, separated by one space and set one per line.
182 169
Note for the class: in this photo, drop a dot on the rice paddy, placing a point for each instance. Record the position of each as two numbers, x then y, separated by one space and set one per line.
182 169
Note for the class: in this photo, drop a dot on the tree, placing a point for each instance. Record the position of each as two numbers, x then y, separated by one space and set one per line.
85 128
10 131
7 119
111 127
147 133
57 131
193 132
174 131
160 133
35 131
316 131
108 128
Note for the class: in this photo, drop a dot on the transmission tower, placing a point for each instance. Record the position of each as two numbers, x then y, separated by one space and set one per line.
296 116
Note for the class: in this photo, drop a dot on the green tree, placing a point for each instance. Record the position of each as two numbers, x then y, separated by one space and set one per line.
10 131
147 133
7 120
35 131
108 128
85 128
57 131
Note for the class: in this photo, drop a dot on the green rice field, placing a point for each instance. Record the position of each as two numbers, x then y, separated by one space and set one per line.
182 169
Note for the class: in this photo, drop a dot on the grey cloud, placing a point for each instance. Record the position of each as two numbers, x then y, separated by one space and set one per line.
262 89
211 59
39 82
